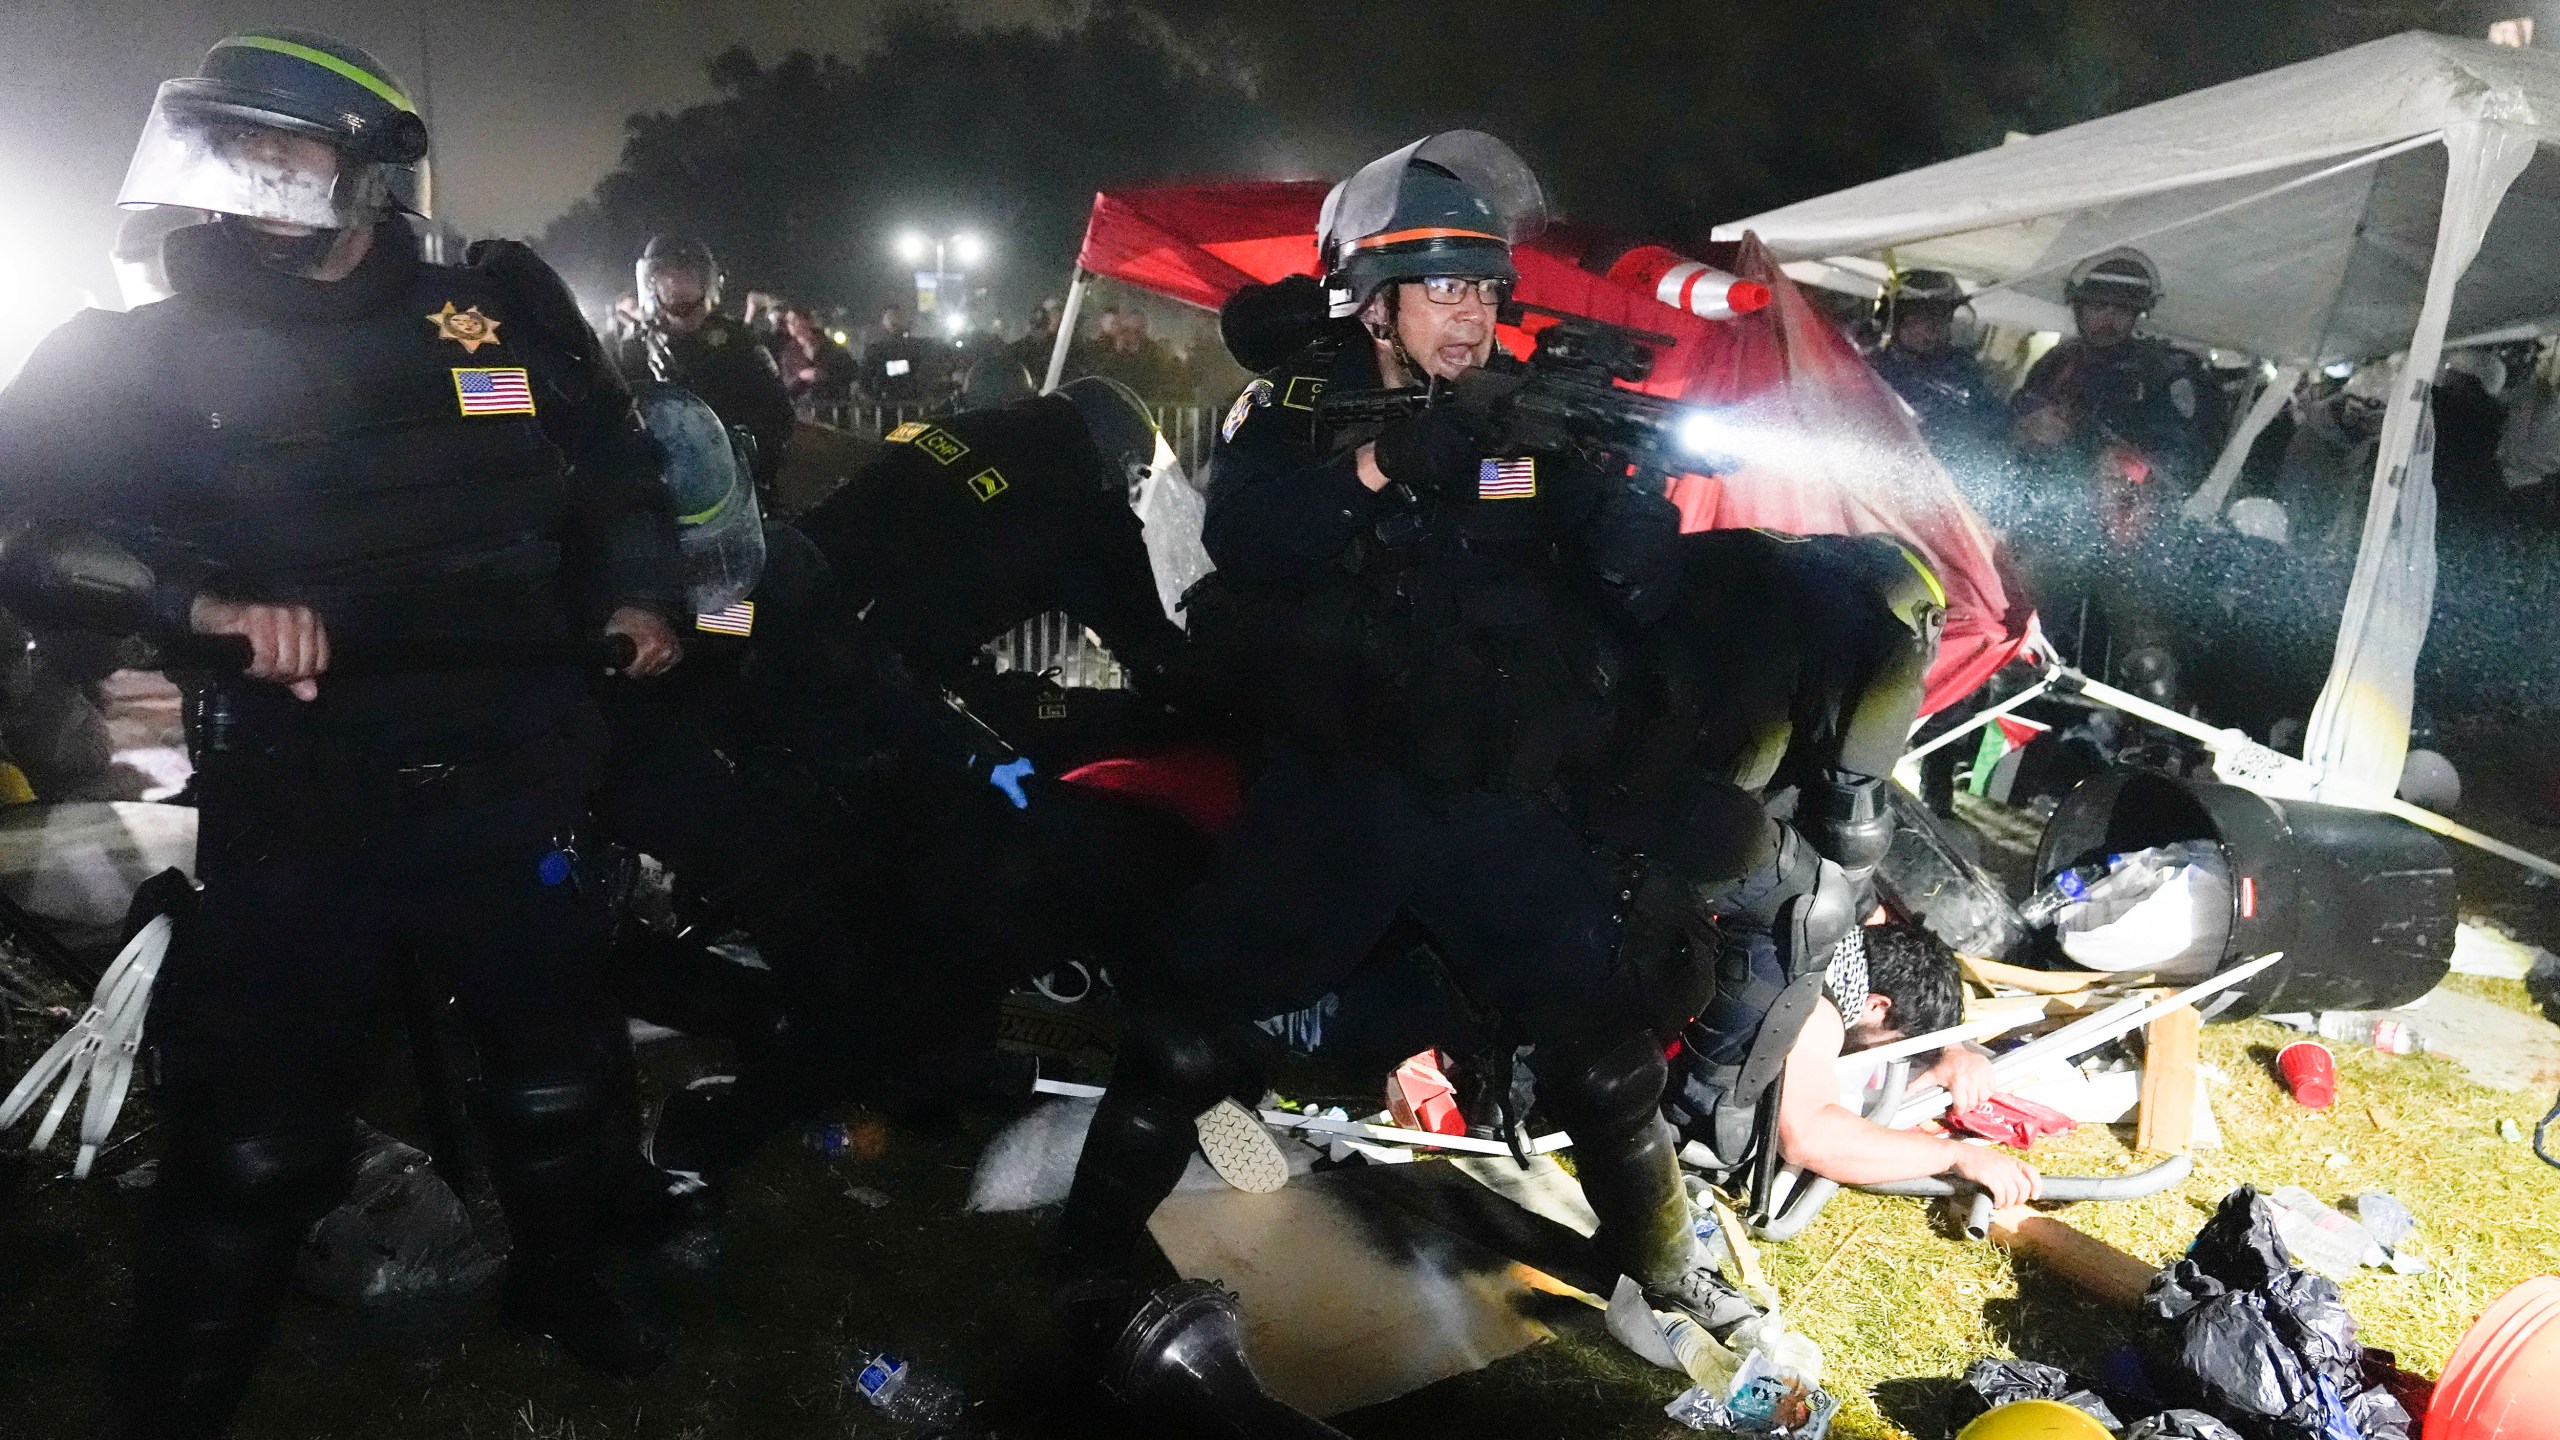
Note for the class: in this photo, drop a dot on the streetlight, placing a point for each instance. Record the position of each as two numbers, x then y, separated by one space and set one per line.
965 247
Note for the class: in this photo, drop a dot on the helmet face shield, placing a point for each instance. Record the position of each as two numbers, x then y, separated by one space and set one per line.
659 276
233 160
1448 204
719 525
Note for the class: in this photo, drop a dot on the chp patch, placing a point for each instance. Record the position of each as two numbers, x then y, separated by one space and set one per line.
1513 479
738 619
939 443
1255 396
987 484
907 432
499 391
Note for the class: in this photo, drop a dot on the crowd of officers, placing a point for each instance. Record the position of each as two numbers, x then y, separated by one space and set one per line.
1511 788
2086 465
894 366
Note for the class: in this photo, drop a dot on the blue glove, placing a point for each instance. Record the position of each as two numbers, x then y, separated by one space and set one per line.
1008 778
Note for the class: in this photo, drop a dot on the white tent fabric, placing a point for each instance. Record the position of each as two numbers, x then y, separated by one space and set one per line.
2368 203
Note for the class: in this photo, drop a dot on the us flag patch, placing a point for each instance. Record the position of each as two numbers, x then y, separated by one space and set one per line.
493 392
738 619
1514 479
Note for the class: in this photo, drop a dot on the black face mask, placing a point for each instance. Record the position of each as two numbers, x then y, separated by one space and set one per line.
286 254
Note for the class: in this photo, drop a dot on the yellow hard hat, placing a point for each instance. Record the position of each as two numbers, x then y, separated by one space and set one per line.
2035 1420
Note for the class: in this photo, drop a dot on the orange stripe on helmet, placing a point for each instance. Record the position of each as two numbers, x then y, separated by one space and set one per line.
1428 232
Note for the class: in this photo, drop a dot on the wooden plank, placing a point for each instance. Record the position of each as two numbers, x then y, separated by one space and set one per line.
1988 973
2092 1266
2169 1082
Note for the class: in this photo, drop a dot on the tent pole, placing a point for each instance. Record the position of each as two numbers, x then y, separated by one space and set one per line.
2207 501
1066 330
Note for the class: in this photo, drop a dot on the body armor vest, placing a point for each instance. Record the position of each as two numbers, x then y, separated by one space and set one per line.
379 467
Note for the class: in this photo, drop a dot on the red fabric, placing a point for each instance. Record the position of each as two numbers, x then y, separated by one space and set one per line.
1835 452
1202 243
1204 786
2010 1121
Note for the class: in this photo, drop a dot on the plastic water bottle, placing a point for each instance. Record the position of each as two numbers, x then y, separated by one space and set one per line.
906 1395
2330 1241
2391 1034
2068 888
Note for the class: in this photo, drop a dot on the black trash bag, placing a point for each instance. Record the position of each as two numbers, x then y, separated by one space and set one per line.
400 1236
2239 1245
2180 1425
2379 1415
2314 1319
2176 1292
1997 1382
2230 1359
2241 1333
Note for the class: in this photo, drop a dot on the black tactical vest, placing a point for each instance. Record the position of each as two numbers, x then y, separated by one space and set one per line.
390 468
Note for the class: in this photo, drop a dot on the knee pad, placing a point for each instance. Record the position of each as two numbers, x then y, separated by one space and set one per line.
1600 1091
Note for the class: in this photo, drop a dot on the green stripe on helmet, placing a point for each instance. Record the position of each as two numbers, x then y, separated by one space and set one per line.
325 61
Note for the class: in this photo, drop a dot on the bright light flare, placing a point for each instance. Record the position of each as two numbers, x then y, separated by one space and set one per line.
1710 436
957 325
913 247
39 300
968 249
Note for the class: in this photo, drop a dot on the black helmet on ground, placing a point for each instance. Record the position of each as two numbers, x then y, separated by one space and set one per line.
673 253
221 140
1448 204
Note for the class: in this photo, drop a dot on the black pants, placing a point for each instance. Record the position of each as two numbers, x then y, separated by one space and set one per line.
1323 863
1325 858
261 1026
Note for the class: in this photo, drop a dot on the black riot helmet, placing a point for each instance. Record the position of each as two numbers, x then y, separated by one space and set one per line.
1920 290
1447 204
1119 424
2122 276
670 252
212 142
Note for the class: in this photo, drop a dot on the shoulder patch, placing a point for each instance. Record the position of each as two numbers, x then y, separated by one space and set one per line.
1515 478
987 484
1303 392
906 432
941 444
1253 397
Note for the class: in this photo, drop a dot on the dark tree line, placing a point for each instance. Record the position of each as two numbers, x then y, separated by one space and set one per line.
1662 118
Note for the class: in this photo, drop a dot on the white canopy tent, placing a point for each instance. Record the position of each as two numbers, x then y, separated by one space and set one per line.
2380 201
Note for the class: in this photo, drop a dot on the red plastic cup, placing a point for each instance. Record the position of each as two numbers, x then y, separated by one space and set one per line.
2310 1072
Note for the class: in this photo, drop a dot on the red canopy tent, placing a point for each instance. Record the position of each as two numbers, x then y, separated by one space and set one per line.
1826 447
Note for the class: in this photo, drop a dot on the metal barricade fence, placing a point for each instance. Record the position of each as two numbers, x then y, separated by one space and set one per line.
1053 644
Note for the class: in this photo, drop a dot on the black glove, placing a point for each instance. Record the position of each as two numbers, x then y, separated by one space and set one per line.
1437 452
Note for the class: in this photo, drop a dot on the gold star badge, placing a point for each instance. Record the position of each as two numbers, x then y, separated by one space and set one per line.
467 328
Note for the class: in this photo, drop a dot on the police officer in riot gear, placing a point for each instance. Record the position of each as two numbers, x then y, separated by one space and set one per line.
965 526
2112 386
1433 614
684 339
327 446
1961 412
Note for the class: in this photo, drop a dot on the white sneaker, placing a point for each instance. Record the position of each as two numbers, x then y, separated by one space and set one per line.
1240 1149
